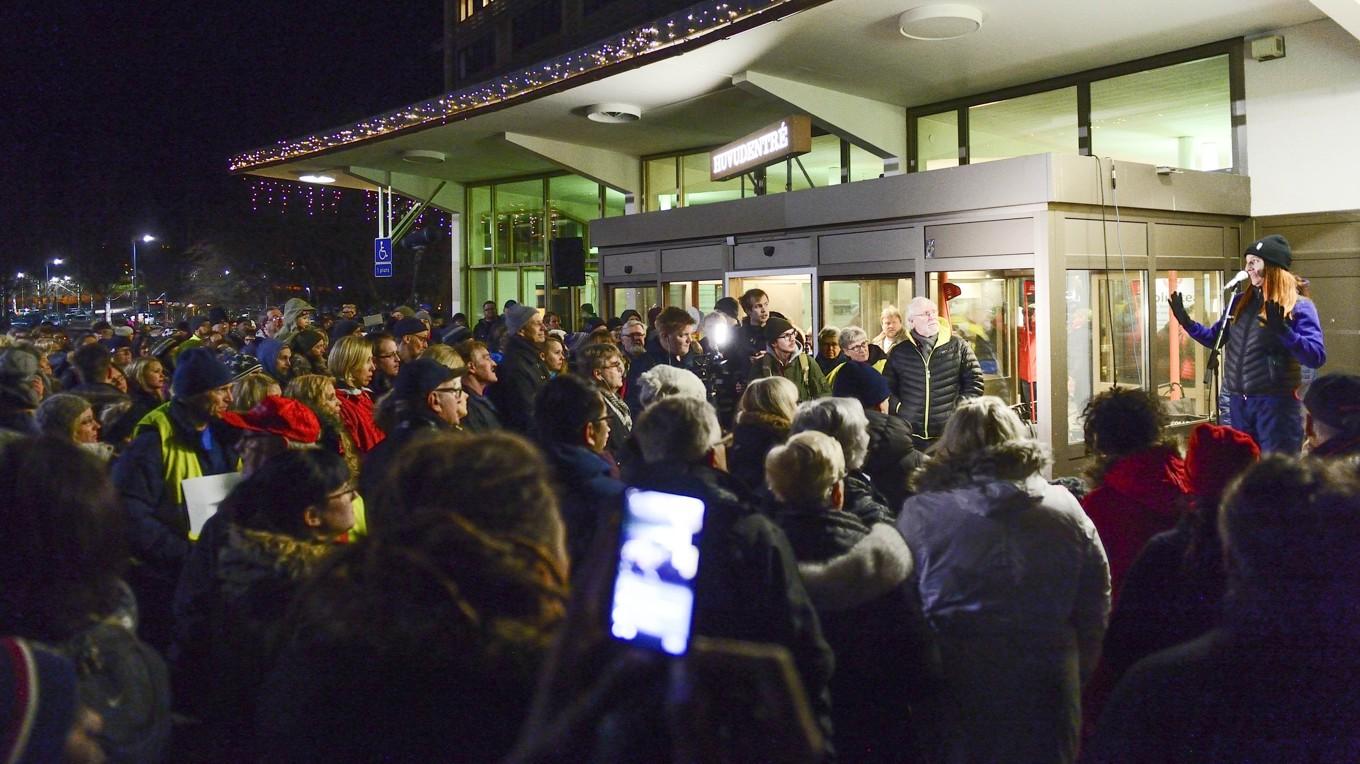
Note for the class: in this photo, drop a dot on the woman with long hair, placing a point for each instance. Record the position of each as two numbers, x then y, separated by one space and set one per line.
764 415
351 364
1272 332
317 392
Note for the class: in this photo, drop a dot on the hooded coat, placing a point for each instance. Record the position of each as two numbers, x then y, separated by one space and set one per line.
1138 496
860 580
292 309
1016 589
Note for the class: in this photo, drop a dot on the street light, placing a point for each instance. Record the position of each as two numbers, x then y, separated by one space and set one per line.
48 265
146 238
20 276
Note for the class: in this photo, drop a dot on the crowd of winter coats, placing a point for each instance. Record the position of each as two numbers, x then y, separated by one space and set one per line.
414 558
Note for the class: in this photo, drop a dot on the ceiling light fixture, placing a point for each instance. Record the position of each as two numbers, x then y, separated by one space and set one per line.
423 156
943 21
316 177
614 113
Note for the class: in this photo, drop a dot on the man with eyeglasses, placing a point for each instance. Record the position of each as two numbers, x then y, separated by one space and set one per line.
633 338
414 337
785 358
930 373
427 398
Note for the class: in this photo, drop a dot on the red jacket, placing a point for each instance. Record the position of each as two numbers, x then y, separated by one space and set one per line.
356 411
1140 495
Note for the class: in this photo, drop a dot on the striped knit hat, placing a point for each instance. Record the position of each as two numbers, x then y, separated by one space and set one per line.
37 703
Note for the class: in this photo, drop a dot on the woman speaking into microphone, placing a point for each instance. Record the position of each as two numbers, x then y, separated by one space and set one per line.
1272 331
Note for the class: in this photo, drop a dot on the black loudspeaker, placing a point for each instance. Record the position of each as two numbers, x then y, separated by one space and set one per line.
568 261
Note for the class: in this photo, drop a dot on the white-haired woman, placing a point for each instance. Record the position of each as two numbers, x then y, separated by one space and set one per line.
856 575
843 419
1014 583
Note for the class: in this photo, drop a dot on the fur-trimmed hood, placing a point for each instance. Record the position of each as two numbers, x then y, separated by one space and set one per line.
1005 476
253 555
764 421
874 566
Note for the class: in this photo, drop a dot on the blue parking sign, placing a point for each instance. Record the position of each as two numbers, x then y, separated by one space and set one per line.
382 270
382 250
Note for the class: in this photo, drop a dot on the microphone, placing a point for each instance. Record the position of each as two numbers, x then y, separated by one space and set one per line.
1238 279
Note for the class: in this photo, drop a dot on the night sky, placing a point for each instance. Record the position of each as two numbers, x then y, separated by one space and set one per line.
120 117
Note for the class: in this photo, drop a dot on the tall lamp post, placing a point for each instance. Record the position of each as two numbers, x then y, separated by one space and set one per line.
48 265
20 276
136 303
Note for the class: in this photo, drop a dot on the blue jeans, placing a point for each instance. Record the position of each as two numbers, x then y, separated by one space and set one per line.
1274 421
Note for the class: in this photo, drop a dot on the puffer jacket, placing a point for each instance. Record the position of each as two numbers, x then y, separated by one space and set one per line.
928 383
1016 589
1256 361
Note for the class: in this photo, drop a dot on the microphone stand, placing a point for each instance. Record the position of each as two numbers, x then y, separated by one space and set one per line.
1212 377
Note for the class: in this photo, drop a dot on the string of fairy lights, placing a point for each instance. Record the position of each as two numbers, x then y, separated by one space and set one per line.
692 23
286 197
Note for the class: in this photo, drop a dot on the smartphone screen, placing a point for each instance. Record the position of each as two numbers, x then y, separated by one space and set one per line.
653 603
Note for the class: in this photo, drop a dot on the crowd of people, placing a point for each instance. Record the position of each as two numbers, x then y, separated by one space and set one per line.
411 551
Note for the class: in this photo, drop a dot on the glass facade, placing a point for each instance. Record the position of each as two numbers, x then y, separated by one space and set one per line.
683 180
1178 116
993 311
641 298
1032 124
1173 110
790 294
1106 337
937 140
1178 362
698 294
509 227
860 301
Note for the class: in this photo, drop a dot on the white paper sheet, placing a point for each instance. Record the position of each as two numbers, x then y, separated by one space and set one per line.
203 494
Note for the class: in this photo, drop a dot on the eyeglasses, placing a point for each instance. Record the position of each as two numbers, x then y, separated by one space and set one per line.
453 390
343 493
858 345
791 334
387 355
614 365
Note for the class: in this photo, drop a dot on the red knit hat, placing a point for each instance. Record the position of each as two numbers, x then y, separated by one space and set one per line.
1214 456
276 415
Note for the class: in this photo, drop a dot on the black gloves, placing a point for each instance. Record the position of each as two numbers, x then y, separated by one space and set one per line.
1177 304
1275 317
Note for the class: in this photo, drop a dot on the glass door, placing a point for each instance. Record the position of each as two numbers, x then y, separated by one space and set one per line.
790 294
697 294
860 301
993 311
639 297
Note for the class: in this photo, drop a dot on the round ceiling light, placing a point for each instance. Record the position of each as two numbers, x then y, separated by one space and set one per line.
423 156
316 177
943 21
614 113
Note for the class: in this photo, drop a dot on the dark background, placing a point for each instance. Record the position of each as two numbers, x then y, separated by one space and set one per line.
119 119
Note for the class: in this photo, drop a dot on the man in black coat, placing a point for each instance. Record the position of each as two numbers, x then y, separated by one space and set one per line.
521 373
425 400
930 373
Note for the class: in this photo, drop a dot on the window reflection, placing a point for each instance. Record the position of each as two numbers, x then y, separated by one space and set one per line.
1032 124
1179 363
639 298
993 311
860 302
1106 337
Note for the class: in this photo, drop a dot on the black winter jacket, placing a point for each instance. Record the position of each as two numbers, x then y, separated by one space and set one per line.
521 375
929 382
892 458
